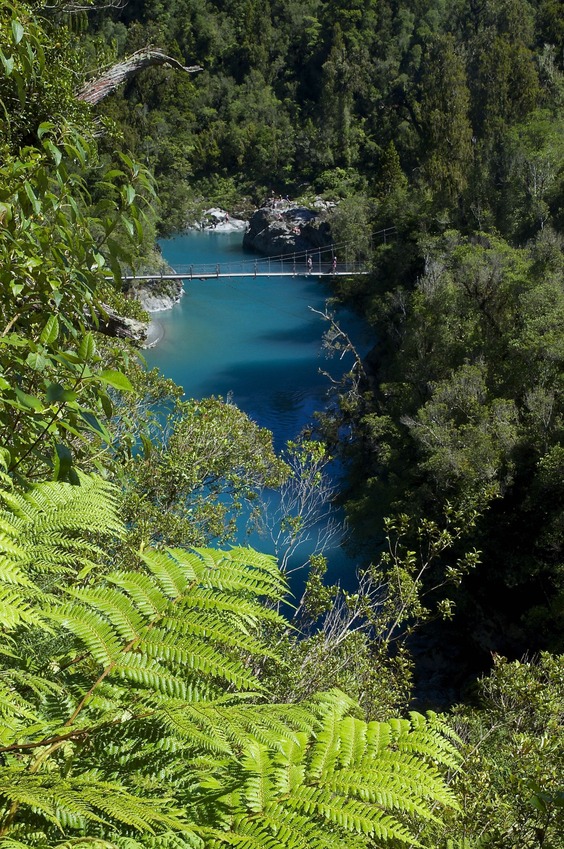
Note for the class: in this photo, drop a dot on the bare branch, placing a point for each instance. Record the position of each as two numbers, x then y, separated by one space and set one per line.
73 7
96 90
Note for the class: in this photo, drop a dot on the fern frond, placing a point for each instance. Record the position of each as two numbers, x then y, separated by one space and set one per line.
188 840
123 616
349 780
84 799
138 725
261 575
11 571
75 843
159 629
91 506
198 732
50 529
332 701
172 578
91 629
149 599
16 609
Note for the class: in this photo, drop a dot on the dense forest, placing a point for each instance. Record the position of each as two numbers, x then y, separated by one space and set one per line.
153 690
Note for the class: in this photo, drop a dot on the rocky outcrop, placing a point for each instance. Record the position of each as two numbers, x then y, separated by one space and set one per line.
283 228
220 221
112 324
157 295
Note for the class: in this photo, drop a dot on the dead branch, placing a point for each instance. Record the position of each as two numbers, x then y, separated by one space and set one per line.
96 90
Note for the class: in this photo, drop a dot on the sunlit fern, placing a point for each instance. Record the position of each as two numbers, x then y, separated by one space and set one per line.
132 715
51 529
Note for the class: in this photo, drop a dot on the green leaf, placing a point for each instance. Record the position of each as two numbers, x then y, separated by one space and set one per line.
107 405
50 331
56 393
87 348
36 361
95 425
36 206
17 31
29 401
54 151
116 379
8 63
45 127
128 224
62 462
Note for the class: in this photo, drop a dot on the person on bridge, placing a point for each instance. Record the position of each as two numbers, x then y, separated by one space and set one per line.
334 265
309 265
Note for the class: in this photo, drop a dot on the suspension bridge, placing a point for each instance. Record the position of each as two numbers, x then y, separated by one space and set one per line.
333 261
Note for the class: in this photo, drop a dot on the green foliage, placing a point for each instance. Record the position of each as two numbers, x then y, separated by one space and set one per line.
444 107
128 706
464 438
47 534
340 779
134 686
189 484
67 221
359 640
38 77
511 782
312 93
467 406
535 156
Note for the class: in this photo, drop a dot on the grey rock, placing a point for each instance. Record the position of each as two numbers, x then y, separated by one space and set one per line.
157 295
112 324
283 228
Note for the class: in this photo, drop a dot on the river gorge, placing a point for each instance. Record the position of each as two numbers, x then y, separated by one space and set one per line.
256 341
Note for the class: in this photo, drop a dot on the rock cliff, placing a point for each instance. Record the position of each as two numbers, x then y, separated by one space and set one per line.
157 295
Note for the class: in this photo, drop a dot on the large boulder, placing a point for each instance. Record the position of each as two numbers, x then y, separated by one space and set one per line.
283 228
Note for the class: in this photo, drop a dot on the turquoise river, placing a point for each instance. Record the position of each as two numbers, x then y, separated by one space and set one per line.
256 341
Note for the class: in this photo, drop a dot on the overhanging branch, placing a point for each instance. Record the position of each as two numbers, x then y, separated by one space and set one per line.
96 90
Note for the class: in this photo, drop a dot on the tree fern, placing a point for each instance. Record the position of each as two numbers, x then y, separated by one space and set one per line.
132 715
349 781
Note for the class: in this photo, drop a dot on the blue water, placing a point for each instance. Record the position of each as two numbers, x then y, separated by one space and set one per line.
254 340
